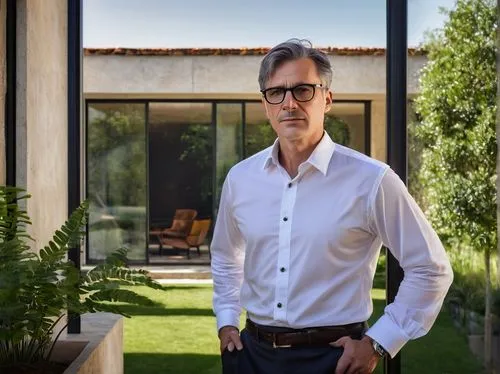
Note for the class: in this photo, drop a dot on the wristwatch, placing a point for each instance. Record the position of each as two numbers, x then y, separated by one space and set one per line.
378 348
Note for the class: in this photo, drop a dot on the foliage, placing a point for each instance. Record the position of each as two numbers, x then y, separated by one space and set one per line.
117 155
469 284
468 291
338 130
457 105
198 141
37 289
258 137
415 149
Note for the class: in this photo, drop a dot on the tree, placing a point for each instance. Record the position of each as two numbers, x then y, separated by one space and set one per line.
458 106
498 141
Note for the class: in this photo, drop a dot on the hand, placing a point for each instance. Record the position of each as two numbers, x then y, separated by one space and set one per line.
229 338
359 357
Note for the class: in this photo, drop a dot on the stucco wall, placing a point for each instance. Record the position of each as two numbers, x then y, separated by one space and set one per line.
3 5
42 112
224 74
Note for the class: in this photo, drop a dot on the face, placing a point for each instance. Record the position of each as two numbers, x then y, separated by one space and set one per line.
293 120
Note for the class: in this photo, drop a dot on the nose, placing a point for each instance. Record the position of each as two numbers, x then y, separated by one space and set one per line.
289 103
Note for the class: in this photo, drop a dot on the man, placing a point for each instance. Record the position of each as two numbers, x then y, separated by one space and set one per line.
298 234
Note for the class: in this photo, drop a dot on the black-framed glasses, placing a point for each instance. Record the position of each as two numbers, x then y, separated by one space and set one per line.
301 92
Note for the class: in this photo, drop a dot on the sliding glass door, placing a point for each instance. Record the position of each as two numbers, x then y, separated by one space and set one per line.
116 179
147 159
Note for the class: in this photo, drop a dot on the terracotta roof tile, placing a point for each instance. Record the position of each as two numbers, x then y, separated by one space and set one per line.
232 51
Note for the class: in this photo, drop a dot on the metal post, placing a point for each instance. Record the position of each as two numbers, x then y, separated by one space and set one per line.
147 134
10 96
397 50
74 120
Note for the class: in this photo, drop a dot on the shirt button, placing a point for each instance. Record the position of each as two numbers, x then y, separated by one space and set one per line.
280 305
285 219
282 270
289 185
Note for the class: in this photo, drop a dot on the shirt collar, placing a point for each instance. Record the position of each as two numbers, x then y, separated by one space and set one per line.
319 158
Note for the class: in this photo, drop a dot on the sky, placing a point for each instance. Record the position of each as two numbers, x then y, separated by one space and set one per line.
249 23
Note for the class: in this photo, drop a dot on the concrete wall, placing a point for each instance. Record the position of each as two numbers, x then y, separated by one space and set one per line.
3 6
104 352
42 113
224 74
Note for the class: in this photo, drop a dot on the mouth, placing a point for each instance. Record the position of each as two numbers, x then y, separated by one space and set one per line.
292 119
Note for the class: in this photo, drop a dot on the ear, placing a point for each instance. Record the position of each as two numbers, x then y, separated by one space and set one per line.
328 101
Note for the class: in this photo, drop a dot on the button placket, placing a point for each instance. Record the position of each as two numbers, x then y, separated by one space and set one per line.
282 275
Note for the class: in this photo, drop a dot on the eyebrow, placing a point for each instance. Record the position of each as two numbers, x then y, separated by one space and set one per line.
295 85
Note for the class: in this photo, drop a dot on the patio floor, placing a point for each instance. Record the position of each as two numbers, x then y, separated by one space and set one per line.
174 265
170 256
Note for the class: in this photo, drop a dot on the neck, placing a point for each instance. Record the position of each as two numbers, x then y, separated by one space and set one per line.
294 153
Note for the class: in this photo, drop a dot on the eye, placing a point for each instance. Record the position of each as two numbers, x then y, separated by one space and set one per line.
275 92
301 90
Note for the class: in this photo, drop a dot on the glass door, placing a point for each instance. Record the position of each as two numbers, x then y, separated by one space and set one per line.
116 179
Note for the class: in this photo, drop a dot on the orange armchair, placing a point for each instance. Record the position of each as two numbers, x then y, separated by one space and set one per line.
181 224
195 239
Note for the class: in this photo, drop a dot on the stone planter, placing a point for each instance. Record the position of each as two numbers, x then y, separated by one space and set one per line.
65 352
97 350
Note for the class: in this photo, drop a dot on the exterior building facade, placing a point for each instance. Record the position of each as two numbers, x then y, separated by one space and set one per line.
163 127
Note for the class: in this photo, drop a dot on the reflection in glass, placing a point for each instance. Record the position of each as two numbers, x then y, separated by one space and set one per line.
229 142
345 123
180 160
116 174
258 131
183 173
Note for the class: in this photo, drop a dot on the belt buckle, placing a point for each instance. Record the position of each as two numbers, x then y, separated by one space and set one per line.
279 345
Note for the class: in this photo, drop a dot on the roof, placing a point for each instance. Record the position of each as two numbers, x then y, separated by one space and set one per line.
232 51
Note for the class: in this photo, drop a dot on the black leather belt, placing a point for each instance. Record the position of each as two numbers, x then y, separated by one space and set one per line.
305 337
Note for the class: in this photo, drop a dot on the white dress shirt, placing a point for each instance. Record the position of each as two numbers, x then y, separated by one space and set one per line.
302 252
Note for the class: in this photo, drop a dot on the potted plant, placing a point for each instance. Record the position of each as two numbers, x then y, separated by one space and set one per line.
37 289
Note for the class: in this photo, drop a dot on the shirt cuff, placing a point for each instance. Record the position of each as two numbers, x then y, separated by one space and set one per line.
228 317
386 333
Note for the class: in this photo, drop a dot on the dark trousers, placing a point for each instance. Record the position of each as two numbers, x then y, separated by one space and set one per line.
259 357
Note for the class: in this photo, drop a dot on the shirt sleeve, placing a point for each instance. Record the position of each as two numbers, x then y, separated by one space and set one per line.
396 218
227 250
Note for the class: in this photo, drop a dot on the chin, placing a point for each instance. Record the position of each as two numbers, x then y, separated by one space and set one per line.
293 134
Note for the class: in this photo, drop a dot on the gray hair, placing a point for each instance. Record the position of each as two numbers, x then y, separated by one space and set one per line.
294 49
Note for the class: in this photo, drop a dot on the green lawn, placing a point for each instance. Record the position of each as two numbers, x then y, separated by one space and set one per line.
178 336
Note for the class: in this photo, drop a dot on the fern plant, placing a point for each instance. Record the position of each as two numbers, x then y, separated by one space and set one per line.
36 290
